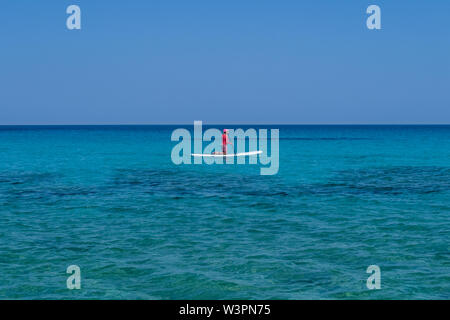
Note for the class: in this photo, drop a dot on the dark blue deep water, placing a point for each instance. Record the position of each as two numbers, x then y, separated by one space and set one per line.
109 200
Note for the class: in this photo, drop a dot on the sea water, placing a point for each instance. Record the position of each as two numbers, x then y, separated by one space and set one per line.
109 200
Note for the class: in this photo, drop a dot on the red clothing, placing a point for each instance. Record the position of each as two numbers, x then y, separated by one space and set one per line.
224 143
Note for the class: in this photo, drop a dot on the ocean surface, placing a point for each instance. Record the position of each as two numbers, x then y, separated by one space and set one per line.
109 200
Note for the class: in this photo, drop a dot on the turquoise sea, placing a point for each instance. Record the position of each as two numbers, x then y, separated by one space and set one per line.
109 199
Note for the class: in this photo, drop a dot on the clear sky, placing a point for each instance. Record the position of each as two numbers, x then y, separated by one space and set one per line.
224 61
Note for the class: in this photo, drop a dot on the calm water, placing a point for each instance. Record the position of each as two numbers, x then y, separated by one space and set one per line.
109 200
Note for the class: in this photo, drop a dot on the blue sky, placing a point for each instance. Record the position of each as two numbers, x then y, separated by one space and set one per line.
233 61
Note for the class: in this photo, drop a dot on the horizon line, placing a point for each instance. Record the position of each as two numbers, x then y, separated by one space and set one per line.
229 124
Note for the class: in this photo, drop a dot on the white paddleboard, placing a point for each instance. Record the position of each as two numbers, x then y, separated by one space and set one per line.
242 154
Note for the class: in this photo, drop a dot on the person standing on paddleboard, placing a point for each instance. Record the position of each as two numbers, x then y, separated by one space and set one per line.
225 141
